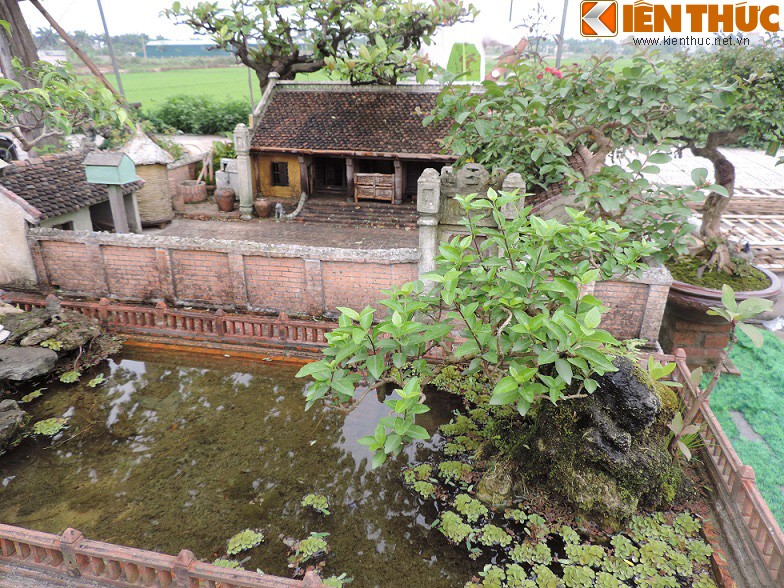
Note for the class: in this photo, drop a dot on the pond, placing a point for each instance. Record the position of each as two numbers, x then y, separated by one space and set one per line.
181 451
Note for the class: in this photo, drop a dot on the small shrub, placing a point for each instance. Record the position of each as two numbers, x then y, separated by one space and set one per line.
199 115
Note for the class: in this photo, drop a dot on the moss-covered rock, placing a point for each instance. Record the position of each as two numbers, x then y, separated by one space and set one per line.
606 455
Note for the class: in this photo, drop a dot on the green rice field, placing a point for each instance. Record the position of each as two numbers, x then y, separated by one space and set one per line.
153 87
757 394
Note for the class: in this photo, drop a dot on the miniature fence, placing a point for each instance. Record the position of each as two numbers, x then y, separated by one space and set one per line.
216 326
737 482
124 567
734 479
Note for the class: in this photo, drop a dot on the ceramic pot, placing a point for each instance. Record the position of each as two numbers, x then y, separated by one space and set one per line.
691 303
263 207
224 198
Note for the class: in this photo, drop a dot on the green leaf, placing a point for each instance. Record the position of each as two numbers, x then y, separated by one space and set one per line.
728 298
375 365
751 307
564 370
378 458
505 392
753 333
593 317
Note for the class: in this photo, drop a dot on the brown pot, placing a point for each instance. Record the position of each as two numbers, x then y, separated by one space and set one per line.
263 207
691 303
224 198
193 191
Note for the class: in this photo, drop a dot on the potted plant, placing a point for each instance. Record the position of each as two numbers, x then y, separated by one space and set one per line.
750 114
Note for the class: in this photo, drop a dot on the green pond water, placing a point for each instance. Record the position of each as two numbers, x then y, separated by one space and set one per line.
181 451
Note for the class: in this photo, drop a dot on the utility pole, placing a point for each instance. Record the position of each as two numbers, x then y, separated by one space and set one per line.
74 47
561 36
111 50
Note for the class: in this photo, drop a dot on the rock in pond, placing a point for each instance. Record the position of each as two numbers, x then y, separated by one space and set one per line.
24 363
12 422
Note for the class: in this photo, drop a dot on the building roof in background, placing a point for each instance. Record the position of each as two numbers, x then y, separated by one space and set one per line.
54 185
336 118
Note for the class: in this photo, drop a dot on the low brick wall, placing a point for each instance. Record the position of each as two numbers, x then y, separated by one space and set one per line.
703 343
214 273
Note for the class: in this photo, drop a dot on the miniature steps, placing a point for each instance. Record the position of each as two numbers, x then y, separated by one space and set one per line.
375 214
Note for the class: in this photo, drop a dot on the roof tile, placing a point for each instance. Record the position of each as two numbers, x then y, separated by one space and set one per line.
57 185
379 121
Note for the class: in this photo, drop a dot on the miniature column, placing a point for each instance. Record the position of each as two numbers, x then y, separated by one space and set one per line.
117 204
428 207
511 183
244 170
398 181
349 179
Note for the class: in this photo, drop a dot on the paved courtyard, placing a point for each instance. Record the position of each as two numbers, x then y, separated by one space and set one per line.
292 233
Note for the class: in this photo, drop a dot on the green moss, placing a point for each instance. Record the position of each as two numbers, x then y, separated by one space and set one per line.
745 278
758 395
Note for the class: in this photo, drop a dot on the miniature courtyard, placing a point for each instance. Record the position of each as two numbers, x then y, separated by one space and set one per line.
436 300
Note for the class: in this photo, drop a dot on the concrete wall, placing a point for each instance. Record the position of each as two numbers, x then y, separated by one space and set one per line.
214 273
16 263
81 220
263 175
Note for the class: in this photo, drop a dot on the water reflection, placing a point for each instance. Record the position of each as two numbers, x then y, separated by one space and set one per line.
227 444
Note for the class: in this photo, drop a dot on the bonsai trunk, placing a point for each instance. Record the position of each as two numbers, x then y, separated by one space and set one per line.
715 243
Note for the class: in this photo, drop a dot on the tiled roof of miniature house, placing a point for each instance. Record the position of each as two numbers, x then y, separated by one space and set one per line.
56 184
333 117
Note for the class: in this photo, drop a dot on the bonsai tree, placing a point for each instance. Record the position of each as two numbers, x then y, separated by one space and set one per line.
751 115
367 42
572 121
508 311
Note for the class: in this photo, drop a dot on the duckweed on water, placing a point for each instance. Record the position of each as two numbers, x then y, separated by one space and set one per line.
528 550
317 502
244 540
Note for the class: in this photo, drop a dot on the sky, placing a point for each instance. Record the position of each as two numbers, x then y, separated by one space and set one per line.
143 16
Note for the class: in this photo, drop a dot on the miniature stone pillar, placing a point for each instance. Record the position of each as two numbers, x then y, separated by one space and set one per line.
398 181
244 170
349 179
117 204
132 213
304 177
512 182
429 208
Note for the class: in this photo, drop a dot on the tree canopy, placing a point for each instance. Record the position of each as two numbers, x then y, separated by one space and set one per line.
365 41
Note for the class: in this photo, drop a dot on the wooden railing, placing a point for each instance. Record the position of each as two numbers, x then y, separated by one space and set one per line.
105 564
160 320
736 482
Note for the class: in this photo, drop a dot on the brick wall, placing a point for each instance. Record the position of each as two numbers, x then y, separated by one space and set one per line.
213 273
279 278
703 343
